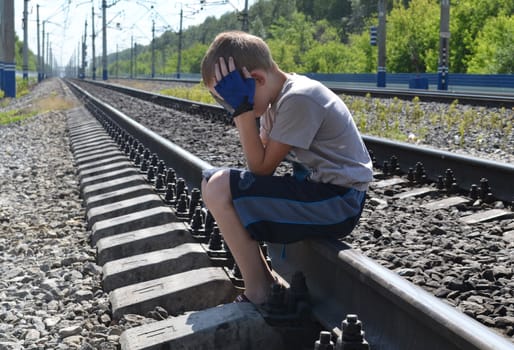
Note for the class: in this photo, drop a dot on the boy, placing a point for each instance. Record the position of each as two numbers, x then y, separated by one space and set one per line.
301 119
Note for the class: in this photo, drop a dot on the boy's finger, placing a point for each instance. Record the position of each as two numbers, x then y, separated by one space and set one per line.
217 72
223 67
231 64
246 73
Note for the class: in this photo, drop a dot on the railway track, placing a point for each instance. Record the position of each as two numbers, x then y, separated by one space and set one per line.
396 314
492 99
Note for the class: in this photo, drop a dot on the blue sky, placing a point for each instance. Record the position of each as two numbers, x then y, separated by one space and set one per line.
126 19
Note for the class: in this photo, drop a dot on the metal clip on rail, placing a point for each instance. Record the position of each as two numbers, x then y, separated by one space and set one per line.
352 337
288 306
288 311
324 342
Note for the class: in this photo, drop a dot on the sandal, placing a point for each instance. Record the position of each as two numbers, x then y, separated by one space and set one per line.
241 298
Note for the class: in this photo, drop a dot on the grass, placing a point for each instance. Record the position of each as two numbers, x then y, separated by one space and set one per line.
197 93
23 86
14 116
52 102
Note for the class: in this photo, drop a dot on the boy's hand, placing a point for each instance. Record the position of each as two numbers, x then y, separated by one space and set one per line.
236 90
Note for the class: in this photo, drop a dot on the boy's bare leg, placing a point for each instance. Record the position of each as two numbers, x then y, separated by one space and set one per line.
246 251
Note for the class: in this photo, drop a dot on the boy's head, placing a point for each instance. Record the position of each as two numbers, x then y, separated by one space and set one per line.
247 50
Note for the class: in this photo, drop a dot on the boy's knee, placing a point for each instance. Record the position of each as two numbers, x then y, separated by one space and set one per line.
207 192
217 188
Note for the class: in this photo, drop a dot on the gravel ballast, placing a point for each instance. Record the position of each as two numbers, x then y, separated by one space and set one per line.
50 292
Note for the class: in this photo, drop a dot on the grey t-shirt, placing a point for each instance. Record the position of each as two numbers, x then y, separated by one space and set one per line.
319 126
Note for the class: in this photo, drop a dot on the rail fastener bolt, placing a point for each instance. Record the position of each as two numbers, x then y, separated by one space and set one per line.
352 337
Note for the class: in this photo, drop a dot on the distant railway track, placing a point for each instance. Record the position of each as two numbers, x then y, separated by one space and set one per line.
489 99
340 280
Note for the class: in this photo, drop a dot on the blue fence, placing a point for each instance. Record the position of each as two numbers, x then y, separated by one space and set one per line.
405 80
456 79
31 74
502 81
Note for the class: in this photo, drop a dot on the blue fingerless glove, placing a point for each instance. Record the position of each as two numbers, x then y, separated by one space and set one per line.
237 92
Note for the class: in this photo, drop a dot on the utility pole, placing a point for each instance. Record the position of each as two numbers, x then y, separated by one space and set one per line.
78 59
179 45
153 49
43 53
25 41
135 59
104 40
48 53
444 46
39 77
84 52
131 57
245 17
51 60
1 45
7 56
93 73
117 61
381 34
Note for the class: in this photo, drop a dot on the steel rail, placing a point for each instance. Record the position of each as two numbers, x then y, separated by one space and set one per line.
396 313
468 170
474 99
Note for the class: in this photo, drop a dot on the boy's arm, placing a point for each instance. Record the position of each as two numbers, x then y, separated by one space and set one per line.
239 90
261 159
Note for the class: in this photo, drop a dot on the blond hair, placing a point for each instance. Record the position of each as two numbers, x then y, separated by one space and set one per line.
247 50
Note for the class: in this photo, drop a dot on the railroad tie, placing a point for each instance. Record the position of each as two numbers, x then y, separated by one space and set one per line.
149 258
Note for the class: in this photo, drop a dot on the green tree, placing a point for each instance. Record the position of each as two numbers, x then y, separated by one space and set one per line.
18 53
281 52
297 32
413 36
324 32
467 18
494 47
360 11
332 36
192 58
258 27
332 57
363 56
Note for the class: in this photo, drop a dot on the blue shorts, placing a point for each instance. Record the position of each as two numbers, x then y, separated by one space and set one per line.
284 209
